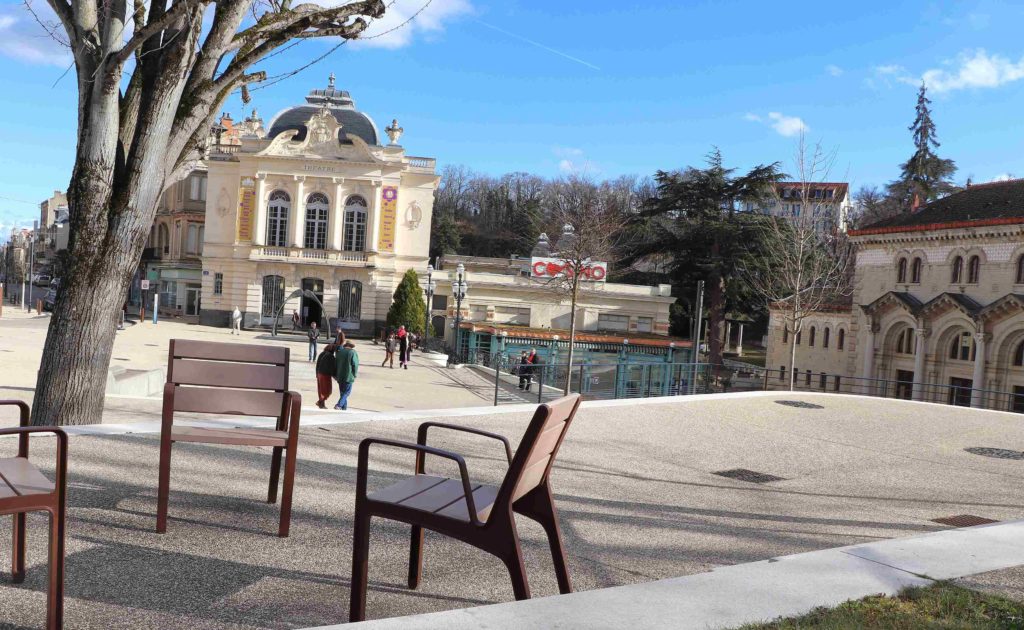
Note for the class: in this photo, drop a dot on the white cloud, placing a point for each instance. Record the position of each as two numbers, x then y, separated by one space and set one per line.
974 69
573 161
1002 177
786 126
430 21
834 70
23 39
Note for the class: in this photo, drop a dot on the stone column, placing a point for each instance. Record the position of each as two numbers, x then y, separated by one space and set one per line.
978 384
921 335
374 218
338 215
298 211
868 371
728 335
260 235
739 343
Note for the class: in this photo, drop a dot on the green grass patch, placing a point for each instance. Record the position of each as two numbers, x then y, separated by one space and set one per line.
941 606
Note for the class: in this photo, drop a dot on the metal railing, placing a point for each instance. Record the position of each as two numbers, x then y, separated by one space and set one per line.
602 380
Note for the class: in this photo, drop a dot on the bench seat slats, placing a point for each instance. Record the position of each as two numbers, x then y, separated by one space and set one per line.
483 500
228 401
217 374
219 351
241 437
22 478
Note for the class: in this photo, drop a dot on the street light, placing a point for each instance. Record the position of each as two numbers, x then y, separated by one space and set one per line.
430 288
459 290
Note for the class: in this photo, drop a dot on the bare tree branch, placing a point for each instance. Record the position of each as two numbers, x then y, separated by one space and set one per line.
179 10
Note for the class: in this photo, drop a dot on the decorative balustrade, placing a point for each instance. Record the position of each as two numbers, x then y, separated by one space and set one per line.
314 256
421 162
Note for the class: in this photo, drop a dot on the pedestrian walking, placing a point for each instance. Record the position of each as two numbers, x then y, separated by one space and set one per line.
525 371
325 370
236 322
390 345
314 335
531 367
295 320
403 347
346 363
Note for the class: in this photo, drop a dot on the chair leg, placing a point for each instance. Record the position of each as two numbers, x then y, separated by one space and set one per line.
275 474
415 556
360 560
286 496
18 548
164 484
513 560
539 505
55 592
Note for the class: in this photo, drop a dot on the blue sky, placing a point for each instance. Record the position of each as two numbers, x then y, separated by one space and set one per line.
611 88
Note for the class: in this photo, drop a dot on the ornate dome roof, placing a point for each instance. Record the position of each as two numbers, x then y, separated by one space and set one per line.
339 103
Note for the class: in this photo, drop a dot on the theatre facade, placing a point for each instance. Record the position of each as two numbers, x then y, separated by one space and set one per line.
320 218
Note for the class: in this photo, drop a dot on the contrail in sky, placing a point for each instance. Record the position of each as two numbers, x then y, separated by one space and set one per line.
539 45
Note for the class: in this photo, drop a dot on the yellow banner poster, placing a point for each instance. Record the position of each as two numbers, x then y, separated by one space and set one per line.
246 210
388 218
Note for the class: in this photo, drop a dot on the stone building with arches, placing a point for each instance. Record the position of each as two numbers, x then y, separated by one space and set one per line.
938 304
321 206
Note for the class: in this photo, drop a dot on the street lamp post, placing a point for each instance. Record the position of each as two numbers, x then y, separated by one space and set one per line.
27 300
430 288
459 289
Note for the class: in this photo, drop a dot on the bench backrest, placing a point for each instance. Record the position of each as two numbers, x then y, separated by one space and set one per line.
538 448
228 378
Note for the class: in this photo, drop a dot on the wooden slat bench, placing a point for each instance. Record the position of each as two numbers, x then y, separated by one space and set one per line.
234 380
24 489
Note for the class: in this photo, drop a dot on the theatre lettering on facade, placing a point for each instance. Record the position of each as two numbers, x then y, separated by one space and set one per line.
320 206
938 307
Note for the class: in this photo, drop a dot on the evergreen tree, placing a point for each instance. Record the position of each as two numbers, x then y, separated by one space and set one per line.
444 234
925 174
408 307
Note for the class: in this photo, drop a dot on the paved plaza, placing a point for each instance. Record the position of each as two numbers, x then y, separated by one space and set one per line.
634 484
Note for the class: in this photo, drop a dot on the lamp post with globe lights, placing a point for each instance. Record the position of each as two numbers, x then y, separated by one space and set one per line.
459 290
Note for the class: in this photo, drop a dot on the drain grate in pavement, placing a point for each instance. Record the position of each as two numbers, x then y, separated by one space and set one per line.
998 453
963 520
799 404
742 474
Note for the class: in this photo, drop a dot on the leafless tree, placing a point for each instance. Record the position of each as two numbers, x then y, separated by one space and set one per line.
591 225
804 267
151 78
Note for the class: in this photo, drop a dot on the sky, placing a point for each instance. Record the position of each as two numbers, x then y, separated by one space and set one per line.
607 88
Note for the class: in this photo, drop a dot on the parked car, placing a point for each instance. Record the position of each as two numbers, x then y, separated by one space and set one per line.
51 295
42 280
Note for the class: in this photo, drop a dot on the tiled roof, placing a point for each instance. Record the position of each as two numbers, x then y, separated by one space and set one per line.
995 203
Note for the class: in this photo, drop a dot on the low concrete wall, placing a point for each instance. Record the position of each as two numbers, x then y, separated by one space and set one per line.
125 382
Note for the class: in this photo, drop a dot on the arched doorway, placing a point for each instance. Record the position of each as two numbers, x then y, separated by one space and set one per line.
311 310
438 322
350 304
273 297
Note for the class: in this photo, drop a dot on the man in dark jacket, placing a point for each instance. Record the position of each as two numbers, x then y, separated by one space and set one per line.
314 335
325 369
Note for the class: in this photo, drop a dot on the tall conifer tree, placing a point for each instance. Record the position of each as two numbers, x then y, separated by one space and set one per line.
925 175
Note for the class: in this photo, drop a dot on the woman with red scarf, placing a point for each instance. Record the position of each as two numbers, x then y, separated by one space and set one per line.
403 347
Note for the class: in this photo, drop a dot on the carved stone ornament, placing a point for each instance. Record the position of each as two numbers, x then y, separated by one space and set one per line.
413 215
223 201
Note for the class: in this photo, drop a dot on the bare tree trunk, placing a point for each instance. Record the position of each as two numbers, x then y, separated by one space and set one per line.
572 336
792 360
716 317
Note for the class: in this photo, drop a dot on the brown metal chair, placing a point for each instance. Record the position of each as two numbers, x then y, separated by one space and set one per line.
24 489
230 379
477 514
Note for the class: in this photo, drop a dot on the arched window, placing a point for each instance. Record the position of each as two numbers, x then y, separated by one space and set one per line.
798 335
316 221
1018 355
278 208
785 334
957 271
915 271
1020 269
973 270
355 224
901 271
905 342
824 339
810 342
962 347
841 342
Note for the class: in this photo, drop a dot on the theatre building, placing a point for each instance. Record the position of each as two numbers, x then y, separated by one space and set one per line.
938 306
321 217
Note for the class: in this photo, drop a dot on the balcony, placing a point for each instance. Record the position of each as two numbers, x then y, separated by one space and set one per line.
330 257
421 164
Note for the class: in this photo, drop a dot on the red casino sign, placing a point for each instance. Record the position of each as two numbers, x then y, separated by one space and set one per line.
556 267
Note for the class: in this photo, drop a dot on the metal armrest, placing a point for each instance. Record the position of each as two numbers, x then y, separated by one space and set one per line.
62 448
23 420
421 438
364 454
